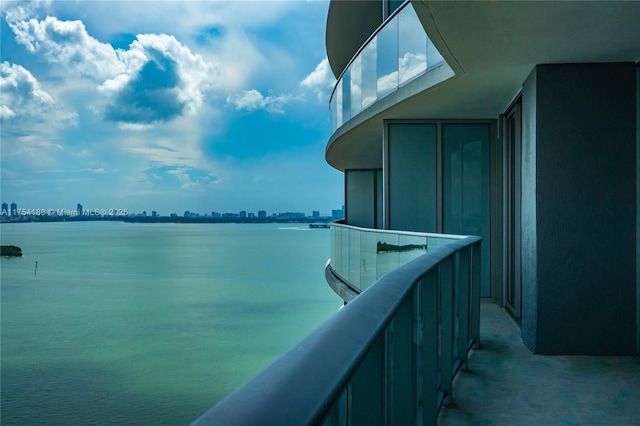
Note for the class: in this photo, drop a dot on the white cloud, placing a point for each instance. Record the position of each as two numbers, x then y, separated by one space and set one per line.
320 80
156 79
24 98
65 42
252 100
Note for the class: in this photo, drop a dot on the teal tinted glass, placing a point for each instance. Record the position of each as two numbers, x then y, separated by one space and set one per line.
412 177
466 186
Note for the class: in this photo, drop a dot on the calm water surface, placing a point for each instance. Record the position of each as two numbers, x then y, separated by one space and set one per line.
150 323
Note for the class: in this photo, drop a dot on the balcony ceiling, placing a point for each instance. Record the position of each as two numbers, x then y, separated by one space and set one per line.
492 46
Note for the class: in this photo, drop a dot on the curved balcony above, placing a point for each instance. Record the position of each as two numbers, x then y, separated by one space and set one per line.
397 53
489 50
349 25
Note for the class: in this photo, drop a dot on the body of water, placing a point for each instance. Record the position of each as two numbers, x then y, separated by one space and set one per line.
125 323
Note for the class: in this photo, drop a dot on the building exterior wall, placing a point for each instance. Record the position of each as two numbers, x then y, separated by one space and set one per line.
529 214
579 209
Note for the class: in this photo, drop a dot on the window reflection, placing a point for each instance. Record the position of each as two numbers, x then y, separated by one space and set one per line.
369 61
412 46
346 96
356 86
387 58
399 53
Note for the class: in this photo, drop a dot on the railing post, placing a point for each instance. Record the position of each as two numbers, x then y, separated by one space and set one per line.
446 322
475 295
367 390
429 352
463 307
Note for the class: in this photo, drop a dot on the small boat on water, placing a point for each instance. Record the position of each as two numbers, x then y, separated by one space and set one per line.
319 225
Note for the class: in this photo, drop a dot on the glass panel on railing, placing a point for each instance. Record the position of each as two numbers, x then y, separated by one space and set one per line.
434 58
387 38
435 242
344 267
410 247
356 86
412 46
369 73
368 242
354 258
346 95
333 112
386 249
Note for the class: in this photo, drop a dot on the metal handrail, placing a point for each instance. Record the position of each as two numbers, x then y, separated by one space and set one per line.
319 377
341 224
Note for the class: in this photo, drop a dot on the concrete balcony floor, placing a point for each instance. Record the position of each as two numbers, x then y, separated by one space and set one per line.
508 385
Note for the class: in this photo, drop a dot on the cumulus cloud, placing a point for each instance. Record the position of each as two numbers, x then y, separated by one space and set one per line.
320 80
167 82
64 42
24 98
156 80
252 100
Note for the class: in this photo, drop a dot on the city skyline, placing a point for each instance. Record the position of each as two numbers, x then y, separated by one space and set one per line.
211 105
15 209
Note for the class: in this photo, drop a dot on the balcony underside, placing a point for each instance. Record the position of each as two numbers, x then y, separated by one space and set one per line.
491 47
507 384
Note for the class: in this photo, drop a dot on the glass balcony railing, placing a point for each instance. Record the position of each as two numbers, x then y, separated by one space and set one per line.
398 52
361 256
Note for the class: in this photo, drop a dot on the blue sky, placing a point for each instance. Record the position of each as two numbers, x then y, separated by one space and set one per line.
169 106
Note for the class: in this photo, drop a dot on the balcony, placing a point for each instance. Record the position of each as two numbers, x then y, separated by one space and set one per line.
398 52
508 385
388 356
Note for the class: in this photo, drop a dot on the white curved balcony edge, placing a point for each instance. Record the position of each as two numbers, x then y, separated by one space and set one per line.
396 54
361 256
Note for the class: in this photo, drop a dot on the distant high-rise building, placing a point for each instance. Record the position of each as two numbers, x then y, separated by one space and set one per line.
315 214
14 209
337 214
251 215
79 209
5 209
215 215
262 214
154 213
243 214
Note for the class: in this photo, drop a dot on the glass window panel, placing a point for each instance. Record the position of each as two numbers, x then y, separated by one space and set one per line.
412 177
369 73
412 46
360 197
434 58
379 200
333 110
346 95
356 86
466 186
393 5
338 97
387 39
